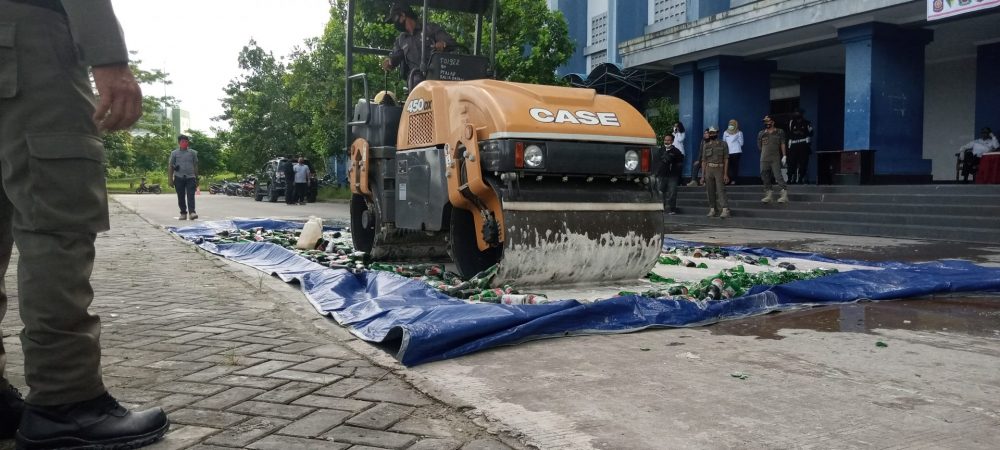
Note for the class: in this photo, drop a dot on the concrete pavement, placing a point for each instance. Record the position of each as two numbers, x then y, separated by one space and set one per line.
815 377
237 363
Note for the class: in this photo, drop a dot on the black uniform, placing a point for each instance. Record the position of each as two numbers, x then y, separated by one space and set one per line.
406 51
800 133
669 175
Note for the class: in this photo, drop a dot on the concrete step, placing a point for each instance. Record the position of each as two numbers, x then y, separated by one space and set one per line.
980 235
856 207
779 212
894 198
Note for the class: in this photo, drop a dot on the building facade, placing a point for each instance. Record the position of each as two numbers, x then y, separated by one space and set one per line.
181 120
911 79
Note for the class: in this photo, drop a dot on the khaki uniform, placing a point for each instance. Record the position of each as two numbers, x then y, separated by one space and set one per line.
770 158
53 199
714 156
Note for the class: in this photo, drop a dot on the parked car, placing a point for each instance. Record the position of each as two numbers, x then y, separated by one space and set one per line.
272 183
270 180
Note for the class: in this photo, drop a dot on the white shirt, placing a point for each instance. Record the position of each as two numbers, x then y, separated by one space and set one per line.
734 141
301 173
980 146
679 141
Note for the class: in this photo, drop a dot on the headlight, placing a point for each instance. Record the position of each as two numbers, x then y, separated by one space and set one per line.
533 157
631 160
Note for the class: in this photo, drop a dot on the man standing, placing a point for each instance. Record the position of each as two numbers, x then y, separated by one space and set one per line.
715 169
182 174
53 202
301 180
287 167
800 133
771 142
669 173
406 51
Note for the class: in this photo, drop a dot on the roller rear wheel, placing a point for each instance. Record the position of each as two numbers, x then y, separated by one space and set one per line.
364 224
463 248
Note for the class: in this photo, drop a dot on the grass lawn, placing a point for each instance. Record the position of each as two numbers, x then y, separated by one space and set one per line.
128 185
330 193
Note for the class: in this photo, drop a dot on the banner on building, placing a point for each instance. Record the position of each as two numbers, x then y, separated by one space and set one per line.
941 9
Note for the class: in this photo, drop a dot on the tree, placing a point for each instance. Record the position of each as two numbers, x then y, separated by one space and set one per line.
257 106
146 146
662 115
277 109
209 152
532 42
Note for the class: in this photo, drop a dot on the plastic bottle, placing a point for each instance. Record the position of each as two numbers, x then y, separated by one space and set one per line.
311 232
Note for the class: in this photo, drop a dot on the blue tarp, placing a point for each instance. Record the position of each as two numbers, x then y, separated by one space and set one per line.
421 324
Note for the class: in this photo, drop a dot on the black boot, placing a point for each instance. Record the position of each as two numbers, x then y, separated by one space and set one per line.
92 424
11 409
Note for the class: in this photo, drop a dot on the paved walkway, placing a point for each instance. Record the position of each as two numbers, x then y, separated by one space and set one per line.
234 364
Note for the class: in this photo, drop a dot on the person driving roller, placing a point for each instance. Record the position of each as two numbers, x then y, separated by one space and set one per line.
406 49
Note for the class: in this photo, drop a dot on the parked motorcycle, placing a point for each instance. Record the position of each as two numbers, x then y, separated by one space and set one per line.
247 187
148 188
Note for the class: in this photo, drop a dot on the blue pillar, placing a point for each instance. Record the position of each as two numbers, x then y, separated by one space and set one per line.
628 19
884 97
577 23
690 110
822 96
988 88
741 90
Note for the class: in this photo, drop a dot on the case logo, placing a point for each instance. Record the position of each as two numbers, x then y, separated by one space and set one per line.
582 117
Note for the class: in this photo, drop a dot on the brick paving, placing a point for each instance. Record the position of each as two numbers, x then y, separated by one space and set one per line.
233 367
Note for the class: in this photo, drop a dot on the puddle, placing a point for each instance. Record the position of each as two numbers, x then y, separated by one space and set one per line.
975 316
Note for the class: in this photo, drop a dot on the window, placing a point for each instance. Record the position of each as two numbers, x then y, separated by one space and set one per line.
669 12
599 29
598 58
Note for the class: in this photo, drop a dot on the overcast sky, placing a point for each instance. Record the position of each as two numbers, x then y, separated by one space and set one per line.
197 41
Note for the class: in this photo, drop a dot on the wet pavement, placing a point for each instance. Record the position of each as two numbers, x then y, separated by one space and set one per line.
969 315
870 248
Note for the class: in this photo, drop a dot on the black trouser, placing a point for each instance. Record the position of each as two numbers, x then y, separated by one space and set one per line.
734 166
300 192
185 193
798 162
970 164
289 190
668 186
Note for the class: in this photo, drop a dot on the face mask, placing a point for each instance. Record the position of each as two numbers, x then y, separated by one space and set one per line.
732 128
401 26
769 124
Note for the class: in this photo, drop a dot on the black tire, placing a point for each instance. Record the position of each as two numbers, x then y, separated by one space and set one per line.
157 190
463 248
138 191
365 223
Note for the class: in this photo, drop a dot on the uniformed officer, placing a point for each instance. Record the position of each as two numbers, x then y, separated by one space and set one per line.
53 202
406 51
800 132
771 142
715 169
